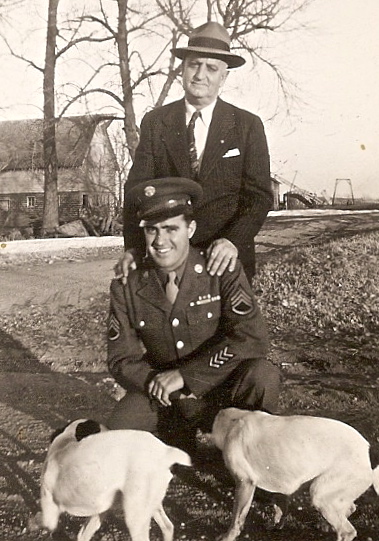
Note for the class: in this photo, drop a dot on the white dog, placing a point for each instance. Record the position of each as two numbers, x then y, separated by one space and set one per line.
279 454
87 466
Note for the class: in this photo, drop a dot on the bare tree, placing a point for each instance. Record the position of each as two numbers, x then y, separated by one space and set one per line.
133 71
50 207
52 54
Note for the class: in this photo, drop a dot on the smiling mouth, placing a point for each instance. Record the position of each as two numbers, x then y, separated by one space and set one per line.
162 251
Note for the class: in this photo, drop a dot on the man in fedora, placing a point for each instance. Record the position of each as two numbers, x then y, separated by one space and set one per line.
183 343
220 146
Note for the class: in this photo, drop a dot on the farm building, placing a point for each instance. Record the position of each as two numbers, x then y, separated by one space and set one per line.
275 190
87 167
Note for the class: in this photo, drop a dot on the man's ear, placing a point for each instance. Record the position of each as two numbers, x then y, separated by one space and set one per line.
225 76
191 229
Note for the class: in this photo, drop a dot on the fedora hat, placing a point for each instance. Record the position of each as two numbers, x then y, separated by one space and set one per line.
211 40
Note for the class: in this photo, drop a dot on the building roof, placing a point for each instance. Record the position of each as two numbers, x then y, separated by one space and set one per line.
21 141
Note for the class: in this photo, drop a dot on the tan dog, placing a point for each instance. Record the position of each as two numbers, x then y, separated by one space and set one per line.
279 454
87 467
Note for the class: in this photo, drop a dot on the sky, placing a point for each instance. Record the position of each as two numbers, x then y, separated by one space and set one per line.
329 129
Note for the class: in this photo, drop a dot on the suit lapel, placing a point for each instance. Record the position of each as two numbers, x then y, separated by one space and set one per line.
221 134
175 137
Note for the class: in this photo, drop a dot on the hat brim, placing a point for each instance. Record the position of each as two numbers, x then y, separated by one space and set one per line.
162 215
232 60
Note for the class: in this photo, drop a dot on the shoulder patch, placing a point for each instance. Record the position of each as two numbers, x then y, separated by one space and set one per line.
242 302
113 327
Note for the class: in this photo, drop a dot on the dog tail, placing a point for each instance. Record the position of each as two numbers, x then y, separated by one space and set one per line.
375 479
177 456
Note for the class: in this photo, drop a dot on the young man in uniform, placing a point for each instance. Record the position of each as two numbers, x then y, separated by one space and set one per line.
183 343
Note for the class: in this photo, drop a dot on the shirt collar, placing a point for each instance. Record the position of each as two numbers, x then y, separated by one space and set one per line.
206 112
162 274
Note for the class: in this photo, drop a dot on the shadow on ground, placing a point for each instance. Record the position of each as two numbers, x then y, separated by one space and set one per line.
34 401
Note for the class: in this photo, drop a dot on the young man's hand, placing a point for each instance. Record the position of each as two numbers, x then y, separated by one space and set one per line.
221 255
165 383
124 265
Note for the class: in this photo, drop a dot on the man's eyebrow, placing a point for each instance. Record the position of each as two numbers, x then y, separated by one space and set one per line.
170 226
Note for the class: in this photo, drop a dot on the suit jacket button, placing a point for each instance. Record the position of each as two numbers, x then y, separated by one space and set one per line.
180 344
209 315
142 323
175 322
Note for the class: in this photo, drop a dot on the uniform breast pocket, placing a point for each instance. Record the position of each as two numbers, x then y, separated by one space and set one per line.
203 313
203 321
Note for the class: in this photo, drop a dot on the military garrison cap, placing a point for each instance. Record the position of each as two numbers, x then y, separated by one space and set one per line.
162 198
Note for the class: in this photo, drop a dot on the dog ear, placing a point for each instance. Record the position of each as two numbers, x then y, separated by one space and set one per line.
86 429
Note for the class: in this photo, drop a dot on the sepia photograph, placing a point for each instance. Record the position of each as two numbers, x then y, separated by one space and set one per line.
189 270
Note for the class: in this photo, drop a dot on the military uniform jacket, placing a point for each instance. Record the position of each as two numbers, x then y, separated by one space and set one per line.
214 324
234 173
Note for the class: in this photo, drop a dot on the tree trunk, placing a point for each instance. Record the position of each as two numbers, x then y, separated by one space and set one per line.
50 210
130 126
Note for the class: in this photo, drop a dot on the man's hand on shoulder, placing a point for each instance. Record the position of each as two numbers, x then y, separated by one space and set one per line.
124 265
221 255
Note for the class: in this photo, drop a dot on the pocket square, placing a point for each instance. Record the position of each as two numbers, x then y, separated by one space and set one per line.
232 152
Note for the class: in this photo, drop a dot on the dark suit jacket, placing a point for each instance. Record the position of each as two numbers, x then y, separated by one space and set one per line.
234 174
214 325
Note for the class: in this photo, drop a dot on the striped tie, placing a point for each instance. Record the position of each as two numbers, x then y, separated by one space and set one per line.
194 160
171 287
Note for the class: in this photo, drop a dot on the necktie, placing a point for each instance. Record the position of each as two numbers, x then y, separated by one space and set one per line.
171 287
194 160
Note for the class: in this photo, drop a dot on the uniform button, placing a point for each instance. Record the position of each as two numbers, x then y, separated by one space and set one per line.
142 323
209 315
175 322
179 344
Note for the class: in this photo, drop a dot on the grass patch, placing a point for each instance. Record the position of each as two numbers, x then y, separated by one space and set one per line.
328 291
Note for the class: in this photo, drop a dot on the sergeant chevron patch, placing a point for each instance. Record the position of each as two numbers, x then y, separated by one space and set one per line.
242 302
220 358
113 327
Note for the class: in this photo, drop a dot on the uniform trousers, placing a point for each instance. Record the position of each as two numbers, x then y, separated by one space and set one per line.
253 385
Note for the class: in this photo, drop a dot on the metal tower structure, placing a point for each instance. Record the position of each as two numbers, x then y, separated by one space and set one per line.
337 182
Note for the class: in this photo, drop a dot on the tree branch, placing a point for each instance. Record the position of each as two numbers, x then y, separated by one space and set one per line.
81 40
20 57
83 93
